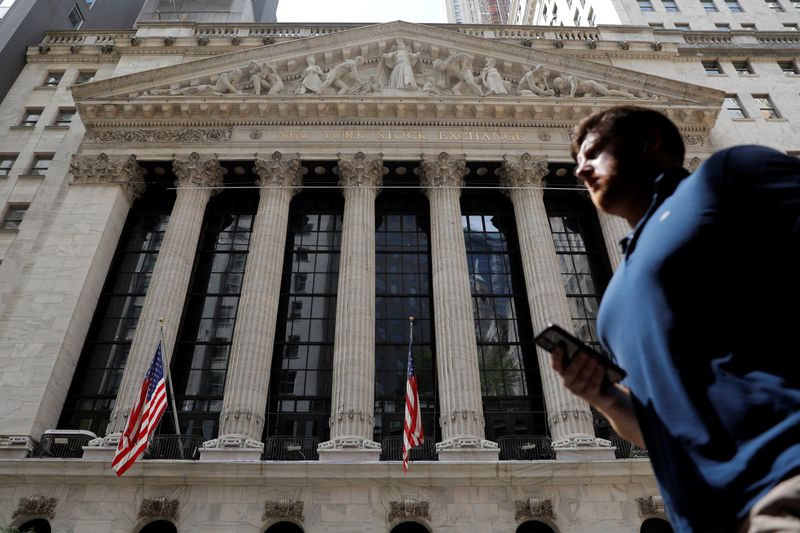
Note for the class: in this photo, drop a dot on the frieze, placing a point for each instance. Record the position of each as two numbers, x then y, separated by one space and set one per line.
159 508
651 506
282 509
36 506
693 164
534 508
409 509
160 135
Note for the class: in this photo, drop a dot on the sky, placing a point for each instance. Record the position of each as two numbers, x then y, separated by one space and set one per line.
361 10
4 5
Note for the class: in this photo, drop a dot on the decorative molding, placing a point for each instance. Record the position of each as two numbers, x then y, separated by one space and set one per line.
523 171
198 171
109 170
624 45
169 41
657 46
361 170
591 43
443 171
352 443
466 443
283 508
136 41
693 164
693 140
534 508
36 506
651 506
186 135
106 48
409 509
159 508
203 40
280 171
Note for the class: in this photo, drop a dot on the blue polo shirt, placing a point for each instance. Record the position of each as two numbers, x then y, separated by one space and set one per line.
703 314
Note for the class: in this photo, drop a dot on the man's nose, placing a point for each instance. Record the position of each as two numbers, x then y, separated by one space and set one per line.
583 170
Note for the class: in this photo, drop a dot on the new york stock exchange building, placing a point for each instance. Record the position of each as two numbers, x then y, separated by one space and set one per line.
285 198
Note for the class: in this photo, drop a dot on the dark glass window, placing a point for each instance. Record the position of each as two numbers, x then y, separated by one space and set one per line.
299 400
13 216
201 356
31 117
742 67
85 76
733 106
6 162
53 78
64 116
403 289
40 165
510 379
105 351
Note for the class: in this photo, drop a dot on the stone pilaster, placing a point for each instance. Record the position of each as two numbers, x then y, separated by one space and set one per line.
569 417
198 179
247 382
109 170
353 394
614 229
460 400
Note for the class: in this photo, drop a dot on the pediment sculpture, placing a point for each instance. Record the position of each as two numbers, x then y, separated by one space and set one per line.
401 71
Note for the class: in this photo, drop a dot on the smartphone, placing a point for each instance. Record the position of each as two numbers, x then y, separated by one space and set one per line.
553 336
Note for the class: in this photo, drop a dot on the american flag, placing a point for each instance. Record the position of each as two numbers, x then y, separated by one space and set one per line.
412 425
144 417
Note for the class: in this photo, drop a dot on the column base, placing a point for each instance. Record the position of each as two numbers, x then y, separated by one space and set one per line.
584 448
232 448
348 450
16 447
468 449
102 448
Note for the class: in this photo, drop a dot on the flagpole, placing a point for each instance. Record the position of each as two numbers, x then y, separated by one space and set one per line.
169 384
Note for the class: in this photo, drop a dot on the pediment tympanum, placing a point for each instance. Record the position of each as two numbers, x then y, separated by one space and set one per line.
395 71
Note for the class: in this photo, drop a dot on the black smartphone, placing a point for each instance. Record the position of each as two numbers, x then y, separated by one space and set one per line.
554 336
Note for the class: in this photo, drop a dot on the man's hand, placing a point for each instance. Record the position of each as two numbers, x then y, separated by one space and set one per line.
584 376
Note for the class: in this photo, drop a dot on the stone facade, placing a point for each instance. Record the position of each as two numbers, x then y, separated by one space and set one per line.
152 100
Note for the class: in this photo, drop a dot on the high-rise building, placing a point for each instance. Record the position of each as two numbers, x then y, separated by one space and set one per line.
478 11
280 199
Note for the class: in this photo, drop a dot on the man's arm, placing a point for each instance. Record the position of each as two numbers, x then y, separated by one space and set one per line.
584 378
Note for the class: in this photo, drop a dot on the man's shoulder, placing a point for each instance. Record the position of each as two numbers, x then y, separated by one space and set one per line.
743 155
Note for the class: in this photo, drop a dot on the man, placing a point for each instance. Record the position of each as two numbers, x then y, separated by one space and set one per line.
702 313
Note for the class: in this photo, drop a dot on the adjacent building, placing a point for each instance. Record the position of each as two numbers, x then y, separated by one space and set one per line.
272 202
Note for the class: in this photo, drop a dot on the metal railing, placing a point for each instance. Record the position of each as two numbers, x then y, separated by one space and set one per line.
626 450
63 443
392 450
290 448
176 447
525 448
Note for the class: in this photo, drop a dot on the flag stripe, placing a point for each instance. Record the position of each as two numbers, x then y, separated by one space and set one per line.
412 423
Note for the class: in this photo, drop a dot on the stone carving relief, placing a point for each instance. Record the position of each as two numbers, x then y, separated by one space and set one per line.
195 170
159 508
693 164
280 171
283 508
103 169
191 135
651 506
36 506
524 171
361 170
533 508
443 171
401 69
409 509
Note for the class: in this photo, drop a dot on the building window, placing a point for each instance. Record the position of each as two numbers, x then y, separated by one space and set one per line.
64 116
52 79
645 5
13 216
303 349
793 153
742 67
722 26
683 26
766 106
403 289
774 6
790 26
796 4
85 76
40 165
709 6
90 3
6 162
97 377
748 26
510 380
789 68
31 117
657 25
734 6
670 6
712 67
733 106
75 17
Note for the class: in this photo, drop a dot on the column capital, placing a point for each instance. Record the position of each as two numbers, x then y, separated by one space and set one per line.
197 171
523 171
443 170
104 169
361 170
280 171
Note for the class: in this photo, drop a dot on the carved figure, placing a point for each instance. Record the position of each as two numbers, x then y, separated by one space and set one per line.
226 83
534 82
402 63
491 79
265 77
573 86
344 77
372 85
454 75
312 76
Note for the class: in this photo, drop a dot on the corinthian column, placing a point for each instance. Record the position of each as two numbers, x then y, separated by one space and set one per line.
614 228
460 400
569 417
353 395
198 180
241 422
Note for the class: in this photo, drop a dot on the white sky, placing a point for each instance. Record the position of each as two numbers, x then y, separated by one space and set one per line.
4 5
361 10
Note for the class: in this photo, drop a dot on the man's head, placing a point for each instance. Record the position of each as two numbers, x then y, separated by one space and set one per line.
619 154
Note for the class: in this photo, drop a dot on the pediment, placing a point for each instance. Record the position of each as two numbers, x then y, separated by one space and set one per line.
398 71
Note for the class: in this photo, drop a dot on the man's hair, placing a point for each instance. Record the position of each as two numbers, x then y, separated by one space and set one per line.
627 124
